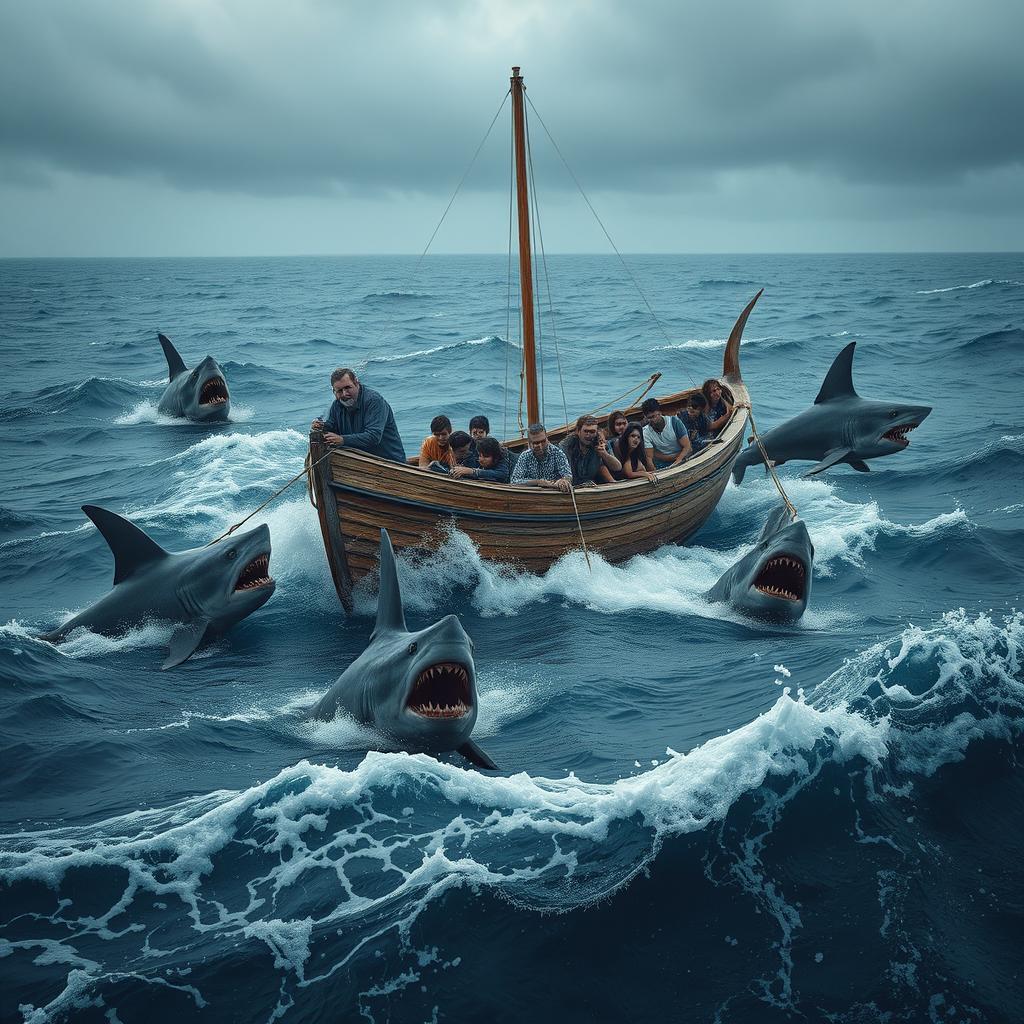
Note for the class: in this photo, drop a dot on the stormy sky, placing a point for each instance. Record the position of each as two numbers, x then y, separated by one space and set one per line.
242 127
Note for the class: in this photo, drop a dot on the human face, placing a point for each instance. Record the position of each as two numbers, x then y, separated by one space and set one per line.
460 453
634 440
539 444
714 393
588 434
477 433
486 461
656 420
346 390
619 425
442 438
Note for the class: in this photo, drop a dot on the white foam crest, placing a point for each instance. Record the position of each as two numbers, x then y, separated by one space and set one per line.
146 412
968 287
82 643
448 347
704 343
206 478
941 686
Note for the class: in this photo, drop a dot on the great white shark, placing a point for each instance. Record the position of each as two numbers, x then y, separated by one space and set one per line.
773 580
418 688
204 591
840 427
201 395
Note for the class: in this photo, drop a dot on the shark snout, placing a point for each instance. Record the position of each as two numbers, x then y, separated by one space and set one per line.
253 575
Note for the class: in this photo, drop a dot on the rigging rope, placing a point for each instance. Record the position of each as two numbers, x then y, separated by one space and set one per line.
770 466
650 382
636 284
579 526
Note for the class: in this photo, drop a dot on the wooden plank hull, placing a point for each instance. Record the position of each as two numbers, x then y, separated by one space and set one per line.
357 495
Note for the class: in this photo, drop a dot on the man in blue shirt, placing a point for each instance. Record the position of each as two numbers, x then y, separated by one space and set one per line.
360 418
542 464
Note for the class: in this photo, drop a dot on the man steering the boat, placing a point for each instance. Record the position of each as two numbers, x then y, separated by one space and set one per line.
360 418
543 464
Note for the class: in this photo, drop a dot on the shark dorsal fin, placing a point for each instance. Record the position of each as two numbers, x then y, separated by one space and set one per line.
778 519
390 615
132 548
839 379
175 364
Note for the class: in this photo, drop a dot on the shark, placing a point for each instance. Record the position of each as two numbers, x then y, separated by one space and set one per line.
417 687
204 591
773 580
840 427
201 396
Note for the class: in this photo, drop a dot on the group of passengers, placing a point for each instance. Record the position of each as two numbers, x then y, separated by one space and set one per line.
627 449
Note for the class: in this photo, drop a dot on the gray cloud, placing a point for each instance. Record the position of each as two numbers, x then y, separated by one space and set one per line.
311 98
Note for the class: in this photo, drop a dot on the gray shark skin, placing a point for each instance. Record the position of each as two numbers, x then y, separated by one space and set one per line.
417 688
205 590
201 396
773 581
840 427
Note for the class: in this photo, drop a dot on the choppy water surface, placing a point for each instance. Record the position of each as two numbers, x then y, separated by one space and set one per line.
698 818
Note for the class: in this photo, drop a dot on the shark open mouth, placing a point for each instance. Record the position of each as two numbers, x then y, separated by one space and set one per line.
215 392
783 577
255 574
441 691
898 435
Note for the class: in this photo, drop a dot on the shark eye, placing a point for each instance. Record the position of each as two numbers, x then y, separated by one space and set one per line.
894 413
231 553
411 649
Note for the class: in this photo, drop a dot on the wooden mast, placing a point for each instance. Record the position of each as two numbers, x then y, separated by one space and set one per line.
525 264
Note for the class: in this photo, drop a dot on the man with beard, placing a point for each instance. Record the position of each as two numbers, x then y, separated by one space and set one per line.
586 450
360 418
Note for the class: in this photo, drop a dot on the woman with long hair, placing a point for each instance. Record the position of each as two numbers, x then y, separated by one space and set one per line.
720 403
630 451
614 427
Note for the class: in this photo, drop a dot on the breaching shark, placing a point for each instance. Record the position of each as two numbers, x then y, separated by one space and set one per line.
840 427
201 395
773 580
205 590
417 688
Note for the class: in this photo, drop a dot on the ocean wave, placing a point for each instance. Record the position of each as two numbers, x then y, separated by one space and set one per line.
723 282
86 398
986 283
450 347
711 343
146 412
395 296
994 341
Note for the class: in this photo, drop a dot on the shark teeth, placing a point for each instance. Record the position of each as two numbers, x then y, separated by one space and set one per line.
899 434
255 574
441 690
782 577
214 392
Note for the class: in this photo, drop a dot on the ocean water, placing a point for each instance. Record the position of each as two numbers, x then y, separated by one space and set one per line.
697 818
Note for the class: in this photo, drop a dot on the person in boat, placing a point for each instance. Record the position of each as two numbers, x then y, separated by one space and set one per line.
360 418
694 417
437 446
615 427
666 439
720 403
495 463
464 450
479 428
542 464
588 456
630 451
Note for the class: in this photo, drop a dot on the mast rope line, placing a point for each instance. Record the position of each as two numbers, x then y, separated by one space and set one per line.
770 466
579 526
625 265
259 508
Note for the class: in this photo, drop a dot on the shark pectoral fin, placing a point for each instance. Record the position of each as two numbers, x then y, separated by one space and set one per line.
184 641
471 752
831 458
860 465
175 364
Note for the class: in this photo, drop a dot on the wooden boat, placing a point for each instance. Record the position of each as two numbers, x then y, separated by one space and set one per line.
356 494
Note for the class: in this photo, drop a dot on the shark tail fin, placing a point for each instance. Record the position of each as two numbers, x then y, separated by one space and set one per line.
131 547
838 381
175 364
390 615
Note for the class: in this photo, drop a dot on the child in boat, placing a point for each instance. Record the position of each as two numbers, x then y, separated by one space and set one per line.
495 463
614 429
698 425
479 428
720 403
437 447
630 451
464 452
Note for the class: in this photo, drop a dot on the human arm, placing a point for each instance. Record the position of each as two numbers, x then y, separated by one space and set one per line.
604 476
643 472
610 464
375 419
426 457
498 474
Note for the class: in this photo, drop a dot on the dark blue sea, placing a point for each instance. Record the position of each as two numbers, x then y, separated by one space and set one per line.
697 817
